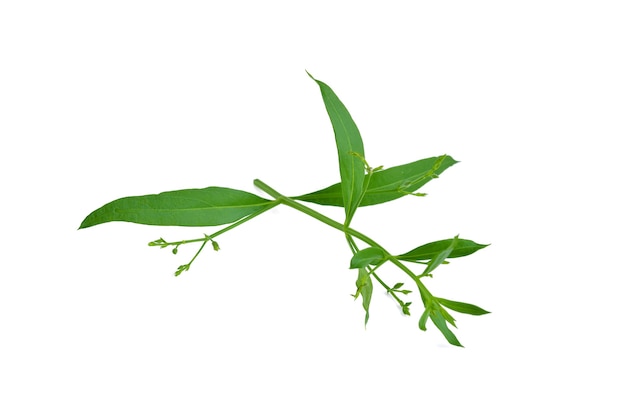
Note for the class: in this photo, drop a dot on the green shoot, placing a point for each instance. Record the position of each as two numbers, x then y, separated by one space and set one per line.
360 185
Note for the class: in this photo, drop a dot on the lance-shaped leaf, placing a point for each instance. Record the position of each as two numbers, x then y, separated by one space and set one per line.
446 315
349 148
440 257
368 256
429 251
423 319
462 307
191 207
440 322
386 185
364 287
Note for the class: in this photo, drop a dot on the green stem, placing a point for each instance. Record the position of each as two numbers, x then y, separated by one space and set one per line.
246 219
426 295
372 271
221 231
197 254
162 243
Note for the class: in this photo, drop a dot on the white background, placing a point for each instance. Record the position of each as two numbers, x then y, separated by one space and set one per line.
100 100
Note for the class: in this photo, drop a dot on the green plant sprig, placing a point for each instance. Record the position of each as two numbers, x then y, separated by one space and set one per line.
360 185
184 267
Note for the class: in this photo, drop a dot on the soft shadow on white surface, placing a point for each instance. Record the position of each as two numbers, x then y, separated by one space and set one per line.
130 98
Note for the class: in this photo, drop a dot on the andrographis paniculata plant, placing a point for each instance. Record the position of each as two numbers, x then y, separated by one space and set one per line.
360 185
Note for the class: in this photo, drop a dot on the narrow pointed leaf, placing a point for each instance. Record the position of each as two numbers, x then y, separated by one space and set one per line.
349 142
429 251
423 319
386 185
364 288
446 315
368 256
440 257
191 207
462 307
440 322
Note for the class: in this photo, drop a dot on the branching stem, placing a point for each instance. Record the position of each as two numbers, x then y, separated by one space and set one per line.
372 271
424 292
162 243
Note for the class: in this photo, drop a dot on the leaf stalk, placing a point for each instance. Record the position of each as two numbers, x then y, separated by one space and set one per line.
424 292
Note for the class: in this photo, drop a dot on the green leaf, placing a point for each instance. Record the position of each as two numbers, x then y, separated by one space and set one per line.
368 256
405 308
181 269
440 322
364 287
423 319
462 307
349 148
446 315
396 288
192 207
386 185
429 251
441 256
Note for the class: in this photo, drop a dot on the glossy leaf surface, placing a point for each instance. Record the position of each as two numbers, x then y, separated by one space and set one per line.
368 256
386 185
191 207
428 251
440 257
349 142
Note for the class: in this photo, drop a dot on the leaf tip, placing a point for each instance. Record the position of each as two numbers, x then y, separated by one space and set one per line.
84 224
